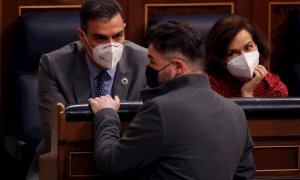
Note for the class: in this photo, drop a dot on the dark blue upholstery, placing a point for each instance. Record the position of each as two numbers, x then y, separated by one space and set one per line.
27 87
203 23
295 77
35 34
287 52
251 106
39 33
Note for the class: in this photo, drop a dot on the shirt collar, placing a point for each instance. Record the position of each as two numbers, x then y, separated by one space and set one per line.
94 70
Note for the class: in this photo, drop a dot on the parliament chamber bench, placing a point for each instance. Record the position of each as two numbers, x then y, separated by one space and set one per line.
274 124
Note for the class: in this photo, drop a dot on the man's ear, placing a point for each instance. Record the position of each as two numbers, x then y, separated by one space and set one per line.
81 35
179 65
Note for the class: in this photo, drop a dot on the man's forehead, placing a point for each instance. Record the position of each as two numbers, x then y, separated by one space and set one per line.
107 35
106 27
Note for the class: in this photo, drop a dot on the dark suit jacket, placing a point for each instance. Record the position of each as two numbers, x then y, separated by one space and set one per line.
64 77
184 130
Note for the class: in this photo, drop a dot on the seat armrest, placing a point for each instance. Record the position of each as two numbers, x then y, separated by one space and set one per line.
49 162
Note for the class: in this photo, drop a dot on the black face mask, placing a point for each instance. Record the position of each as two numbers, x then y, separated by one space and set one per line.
152 75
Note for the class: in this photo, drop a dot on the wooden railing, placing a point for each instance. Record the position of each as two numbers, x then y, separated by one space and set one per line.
274 124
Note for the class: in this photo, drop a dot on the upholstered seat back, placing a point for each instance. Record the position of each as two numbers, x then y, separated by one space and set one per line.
287 53
203 23
38 33
35 34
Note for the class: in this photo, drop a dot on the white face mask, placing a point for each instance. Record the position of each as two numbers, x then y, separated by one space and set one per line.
242 66
108 55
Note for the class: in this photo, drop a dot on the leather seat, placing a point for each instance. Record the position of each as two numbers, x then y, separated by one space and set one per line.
35 34
278 106
287 54
203 23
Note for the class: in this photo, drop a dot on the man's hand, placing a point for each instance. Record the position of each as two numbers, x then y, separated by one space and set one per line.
103 102
260 73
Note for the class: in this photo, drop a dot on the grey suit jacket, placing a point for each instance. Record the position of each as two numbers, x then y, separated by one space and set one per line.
184 130
63 76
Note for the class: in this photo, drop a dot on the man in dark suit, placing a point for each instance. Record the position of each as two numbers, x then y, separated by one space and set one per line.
70 74
184 130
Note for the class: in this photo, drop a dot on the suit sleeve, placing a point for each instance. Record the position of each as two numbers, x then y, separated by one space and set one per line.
48 94
140 145
246 168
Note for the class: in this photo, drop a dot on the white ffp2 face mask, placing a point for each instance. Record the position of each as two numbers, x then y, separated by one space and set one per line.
108 55
242 66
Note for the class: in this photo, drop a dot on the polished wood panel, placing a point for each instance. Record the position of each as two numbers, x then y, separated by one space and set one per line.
269 15
276 152
77 168
48 8
279 158
277 141
72 154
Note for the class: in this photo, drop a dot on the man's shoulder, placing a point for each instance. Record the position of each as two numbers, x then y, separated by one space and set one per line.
132 48
68 49
64 57
65 54
136 55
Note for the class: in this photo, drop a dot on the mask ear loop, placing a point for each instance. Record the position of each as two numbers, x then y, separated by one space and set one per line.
224 64
88 44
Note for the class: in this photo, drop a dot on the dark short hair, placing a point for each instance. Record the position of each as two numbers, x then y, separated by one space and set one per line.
222 33
99 9
174 36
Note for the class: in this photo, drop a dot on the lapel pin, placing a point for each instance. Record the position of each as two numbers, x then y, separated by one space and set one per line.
124 81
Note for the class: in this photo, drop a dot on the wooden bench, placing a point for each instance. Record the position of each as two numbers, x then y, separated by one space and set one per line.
274 124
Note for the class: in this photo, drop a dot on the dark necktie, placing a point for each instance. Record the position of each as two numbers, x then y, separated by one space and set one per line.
101 78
